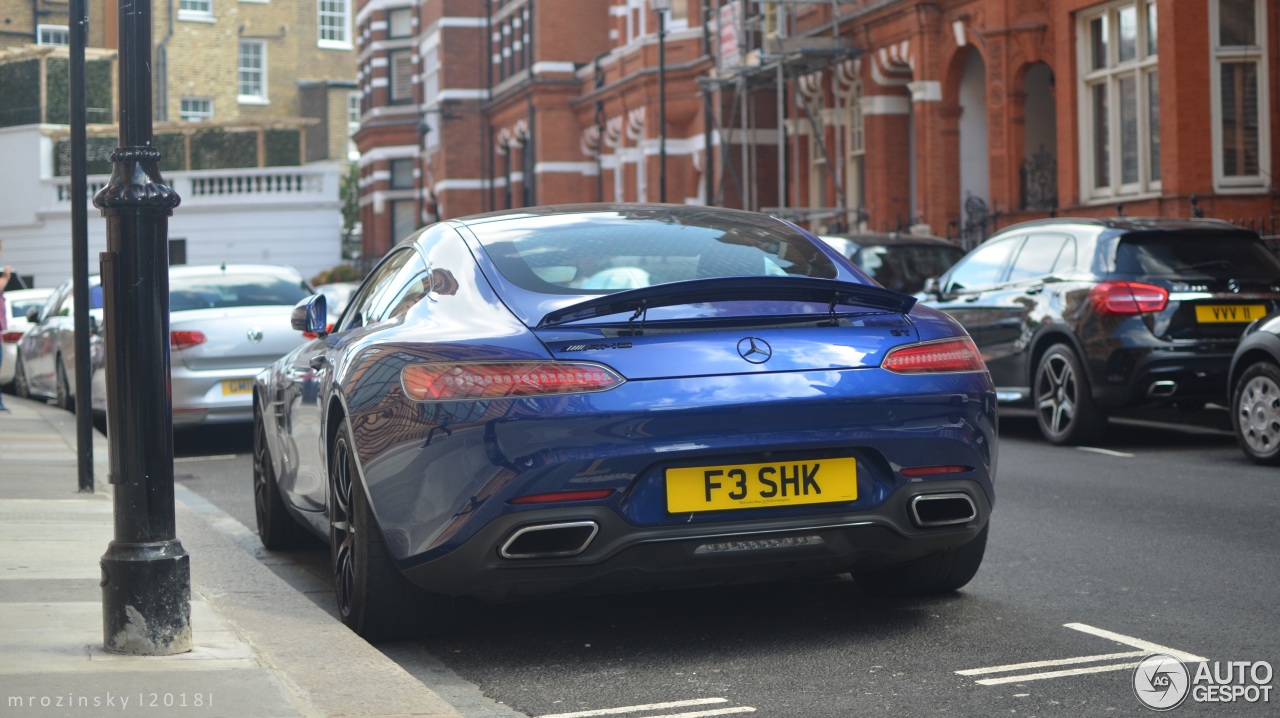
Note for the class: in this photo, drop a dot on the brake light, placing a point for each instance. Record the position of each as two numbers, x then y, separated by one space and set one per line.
586 495
1120 298
947 355
11 337
452 381
185 339
916 471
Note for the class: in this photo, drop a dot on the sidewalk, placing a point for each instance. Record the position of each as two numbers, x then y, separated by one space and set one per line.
261 648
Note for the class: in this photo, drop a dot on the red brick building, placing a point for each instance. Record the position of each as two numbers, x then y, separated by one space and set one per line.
949 117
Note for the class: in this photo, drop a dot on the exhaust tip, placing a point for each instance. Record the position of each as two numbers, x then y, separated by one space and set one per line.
1164 387
929 510
550 540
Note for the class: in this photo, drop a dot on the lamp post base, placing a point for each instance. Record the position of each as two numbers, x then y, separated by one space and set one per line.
146 598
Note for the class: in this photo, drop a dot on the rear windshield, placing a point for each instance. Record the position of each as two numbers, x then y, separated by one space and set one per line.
218 291
609 251
22 306
905 267
1196 255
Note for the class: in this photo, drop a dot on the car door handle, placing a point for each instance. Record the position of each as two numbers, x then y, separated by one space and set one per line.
319 362
1035 290
971 298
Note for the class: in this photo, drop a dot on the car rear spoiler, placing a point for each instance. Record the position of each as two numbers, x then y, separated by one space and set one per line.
722 289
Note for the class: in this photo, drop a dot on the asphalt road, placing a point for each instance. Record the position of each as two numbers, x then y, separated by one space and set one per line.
1161 535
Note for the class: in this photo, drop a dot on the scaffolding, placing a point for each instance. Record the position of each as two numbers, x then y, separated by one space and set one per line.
768 58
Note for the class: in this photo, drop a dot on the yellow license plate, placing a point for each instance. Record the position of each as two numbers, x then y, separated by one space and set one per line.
1229 313
749 486
237 386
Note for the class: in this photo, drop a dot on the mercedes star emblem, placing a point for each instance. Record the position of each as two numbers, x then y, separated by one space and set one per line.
755 350
255 335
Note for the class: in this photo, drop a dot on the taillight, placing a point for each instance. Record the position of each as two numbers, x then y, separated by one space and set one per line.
11 337
917 471
947 355
185 339
451 381
1120 298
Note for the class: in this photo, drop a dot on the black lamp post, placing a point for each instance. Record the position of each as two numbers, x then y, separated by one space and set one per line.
662 7
146 574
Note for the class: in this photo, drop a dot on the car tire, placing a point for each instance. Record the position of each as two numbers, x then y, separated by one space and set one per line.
1255 412
277 528
21 388
62 391
374 599
1064 405
942 572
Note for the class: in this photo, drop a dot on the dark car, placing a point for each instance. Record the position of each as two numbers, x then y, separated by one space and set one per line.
1254 394
1079 317
604 398
901 262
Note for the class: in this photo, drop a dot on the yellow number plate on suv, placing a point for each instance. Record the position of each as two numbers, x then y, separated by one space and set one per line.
1224 313
750 486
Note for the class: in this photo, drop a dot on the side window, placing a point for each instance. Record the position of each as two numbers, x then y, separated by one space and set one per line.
361 311
406 289
983 267
1038 256
1067 258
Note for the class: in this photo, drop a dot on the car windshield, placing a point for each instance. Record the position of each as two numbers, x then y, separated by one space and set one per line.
240 289
608 251
1196 254
905 268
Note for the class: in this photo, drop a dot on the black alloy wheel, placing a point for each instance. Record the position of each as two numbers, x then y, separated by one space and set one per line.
374 599
1255 412
63 388
277 529
1064 404
21 388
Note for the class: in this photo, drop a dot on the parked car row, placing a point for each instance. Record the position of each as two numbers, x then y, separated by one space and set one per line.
226 322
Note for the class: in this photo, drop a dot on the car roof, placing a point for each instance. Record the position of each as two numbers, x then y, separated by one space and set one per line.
675 210
196 270
891 239
1133 224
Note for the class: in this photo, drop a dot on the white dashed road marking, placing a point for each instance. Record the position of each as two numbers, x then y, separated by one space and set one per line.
1108 452
662 706
1145 648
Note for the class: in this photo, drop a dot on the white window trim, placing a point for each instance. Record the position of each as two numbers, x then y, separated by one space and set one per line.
1240 184
209 100
336 44
253 99
40 29
1147 186
189 15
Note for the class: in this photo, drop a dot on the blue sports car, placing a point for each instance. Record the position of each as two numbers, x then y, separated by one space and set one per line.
604 398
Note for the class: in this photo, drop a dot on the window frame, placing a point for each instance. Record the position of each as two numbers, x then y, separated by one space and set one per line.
391 23
241 96
1143 68
393 98
1240 54
199 117
344 15
42 29
198 14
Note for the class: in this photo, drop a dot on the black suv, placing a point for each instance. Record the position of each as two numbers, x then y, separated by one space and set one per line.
1078 317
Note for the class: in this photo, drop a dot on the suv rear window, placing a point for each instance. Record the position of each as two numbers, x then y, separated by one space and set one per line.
1213 255
608 251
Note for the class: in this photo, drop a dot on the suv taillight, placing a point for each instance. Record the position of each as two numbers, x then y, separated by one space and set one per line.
1120 298
948 355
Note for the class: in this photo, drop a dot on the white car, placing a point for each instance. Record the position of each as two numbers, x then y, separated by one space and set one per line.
225 324
17 303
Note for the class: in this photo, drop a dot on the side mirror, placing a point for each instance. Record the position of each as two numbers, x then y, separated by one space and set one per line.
309 315
33 315
931 288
